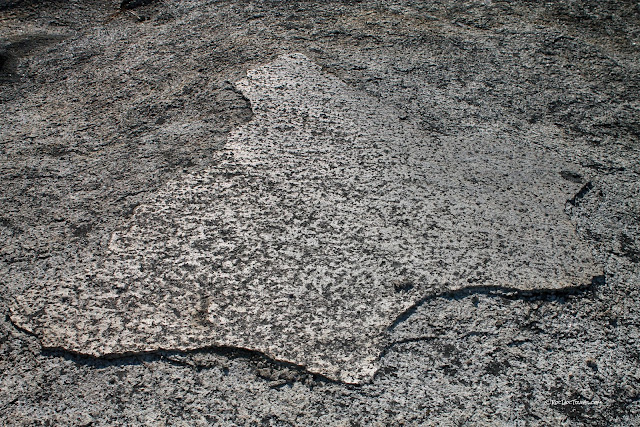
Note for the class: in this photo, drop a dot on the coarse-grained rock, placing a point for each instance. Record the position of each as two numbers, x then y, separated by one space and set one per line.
326 218
102 109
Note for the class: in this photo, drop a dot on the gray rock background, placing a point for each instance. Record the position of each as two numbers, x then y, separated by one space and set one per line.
85 95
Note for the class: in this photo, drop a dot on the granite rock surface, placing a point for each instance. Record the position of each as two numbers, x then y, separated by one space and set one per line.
111 120
325 219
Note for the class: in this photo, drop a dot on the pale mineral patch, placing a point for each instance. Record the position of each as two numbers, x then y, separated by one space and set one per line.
327 216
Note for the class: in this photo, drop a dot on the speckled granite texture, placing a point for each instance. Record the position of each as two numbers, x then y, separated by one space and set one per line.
327 216
113 124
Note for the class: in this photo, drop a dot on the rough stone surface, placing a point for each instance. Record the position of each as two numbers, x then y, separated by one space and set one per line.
325 219
101 112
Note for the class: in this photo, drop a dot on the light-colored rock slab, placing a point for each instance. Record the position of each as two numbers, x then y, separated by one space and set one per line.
327 216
